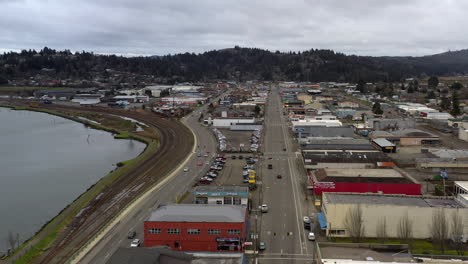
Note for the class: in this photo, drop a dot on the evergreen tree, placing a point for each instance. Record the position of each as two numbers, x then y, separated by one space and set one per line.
433 82
456 86
444 103
410 88
361 86
376 109
455 105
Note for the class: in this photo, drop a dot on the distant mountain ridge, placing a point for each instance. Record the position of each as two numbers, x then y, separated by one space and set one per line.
236 64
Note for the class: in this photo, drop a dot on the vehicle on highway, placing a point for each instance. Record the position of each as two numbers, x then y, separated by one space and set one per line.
261 245
311 236
306 219
264 208
186 169
131 234
270 166
135 243
279 176
307 226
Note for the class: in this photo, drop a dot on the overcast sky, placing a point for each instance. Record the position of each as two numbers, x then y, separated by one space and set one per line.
156 27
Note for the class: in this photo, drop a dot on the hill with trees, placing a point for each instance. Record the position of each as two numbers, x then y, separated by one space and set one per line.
236 63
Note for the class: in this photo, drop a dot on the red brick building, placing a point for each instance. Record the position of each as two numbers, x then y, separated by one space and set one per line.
197 227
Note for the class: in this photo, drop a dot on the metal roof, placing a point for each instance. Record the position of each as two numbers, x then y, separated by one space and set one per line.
462 184
382 142
211 213
221 191
394 200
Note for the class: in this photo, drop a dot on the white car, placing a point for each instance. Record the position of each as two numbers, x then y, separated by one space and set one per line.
135 243
264 208
186 169
311 236
306 219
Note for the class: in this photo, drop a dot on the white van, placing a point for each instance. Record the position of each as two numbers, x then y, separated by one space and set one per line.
311 236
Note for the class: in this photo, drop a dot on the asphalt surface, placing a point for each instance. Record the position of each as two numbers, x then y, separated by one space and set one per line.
175 187
282 227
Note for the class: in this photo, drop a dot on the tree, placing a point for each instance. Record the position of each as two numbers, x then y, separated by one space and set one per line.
439 228
381 229
431 95
444 103
148 93
210 108
361 86
456 86
410 88
433 82
376 109
456 232
402 86
416 85
405 228
257 110
455 105
354 223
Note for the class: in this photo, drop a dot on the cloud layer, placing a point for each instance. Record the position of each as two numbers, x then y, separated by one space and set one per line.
147 27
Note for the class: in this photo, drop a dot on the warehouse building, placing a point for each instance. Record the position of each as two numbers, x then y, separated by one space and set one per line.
197 227
390 124
324 132
374 208
228 122
231 195
385 181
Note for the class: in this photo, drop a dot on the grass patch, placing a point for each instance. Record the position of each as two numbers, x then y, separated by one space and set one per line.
417 246
123 135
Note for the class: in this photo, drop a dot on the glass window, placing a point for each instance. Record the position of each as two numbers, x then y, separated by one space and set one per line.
237 200
154 231
193 231
173 231
234 232
214 232
227 200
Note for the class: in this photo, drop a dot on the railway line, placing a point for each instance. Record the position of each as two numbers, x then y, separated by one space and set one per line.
175 143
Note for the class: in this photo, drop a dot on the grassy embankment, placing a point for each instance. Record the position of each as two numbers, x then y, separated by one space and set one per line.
417 246
48 233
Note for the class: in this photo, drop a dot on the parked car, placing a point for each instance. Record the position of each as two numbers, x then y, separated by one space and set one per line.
261 245
270 166
306 219
246 180
264 208
233 157
131 235
186 169
241 157
311 236
135 243
199 155
205 180
279 176
307 226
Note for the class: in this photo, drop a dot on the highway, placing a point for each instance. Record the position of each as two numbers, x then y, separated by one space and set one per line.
282 227
165 194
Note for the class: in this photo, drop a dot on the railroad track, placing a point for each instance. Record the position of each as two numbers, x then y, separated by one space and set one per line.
175 143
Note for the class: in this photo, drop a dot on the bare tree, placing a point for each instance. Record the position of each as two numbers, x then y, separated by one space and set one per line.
456 232
405 228
354 223
439 228
381 229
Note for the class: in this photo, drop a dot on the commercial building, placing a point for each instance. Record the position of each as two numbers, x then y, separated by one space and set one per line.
348 104
336 145
346 159
324 123
407 137
375 208
324 132
386 181
229 195
87 99
197 227
384 145
228 122
389 124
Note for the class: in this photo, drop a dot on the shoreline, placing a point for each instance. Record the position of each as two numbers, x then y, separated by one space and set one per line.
46 234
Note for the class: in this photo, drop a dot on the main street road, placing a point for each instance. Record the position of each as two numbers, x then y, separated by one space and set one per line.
282 227
166 194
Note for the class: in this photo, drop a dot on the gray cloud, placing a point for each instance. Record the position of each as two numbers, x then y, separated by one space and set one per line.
365 27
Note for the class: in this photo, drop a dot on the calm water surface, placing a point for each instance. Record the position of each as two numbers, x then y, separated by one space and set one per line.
45 163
